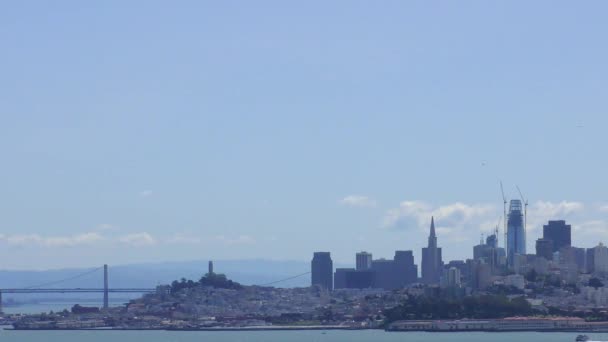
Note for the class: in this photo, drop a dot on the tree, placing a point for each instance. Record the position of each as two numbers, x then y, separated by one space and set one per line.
595 283
531 275
487 306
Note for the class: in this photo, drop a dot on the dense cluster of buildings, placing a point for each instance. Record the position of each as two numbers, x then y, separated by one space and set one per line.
490 265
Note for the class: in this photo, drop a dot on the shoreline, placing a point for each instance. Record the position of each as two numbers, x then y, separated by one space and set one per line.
224 329
312 328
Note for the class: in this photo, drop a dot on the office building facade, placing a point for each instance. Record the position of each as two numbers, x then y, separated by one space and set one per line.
590 260
559 232
364 261
600 259
322 268
382 274
544 248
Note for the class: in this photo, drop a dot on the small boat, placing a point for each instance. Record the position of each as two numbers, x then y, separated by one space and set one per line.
582 338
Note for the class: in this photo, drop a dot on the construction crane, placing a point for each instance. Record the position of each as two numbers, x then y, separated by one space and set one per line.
525 214
504 207
497 228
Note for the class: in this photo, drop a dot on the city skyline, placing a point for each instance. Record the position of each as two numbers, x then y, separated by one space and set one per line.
135 132
490 265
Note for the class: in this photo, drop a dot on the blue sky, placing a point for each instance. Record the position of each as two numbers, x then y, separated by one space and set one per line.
146 131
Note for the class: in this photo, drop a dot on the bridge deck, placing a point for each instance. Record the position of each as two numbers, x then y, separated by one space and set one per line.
79 290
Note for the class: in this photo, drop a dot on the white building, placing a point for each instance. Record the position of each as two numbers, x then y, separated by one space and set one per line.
454 277
599 296
600 255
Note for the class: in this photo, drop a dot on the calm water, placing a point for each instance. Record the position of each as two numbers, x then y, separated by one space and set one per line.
282 336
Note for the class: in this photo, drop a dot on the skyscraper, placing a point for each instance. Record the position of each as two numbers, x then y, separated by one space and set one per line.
490 253
544 248
559 232
322 269
600 258
406 272
453 277
364 261
590 260
492 241
431 259
516 235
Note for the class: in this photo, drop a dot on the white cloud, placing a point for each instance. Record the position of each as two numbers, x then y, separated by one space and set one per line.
418 214
540 212
558 209
52 241
358 201
412 213
593 227
455 222
138 239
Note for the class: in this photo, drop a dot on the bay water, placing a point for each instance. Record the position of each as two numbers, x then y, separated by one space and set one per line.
283 336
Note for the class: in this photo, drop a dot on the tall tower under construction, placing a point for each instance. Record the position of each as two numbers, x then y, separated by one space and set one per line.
516 234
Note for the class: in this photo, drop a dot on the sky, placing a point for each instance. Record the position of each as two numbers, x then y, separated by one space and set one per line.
134 131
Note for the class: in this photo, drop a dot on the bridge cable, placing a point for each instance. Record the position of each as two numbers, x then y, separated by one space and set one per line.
282 280
63 280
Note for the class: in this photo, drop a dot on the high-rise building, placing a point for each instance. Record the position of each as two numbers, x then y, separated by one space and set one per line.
490 253
544 248
382 274
481 275
569 255
492 241
384 271
590 260
580 258
364 261
405 270
322 269
454 277
350 278
600 258
516 234
431 259
559 232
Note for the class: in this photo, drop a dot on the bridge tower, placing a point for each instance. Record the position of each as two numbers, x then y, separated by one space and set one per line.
105 286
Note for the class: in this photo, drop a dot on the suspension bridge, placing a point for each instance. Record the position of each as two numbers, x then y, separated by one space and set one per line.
47 287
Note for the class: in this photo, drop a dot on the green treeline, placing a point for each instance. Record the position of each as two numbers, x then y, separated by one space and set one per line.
215 280
487 306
